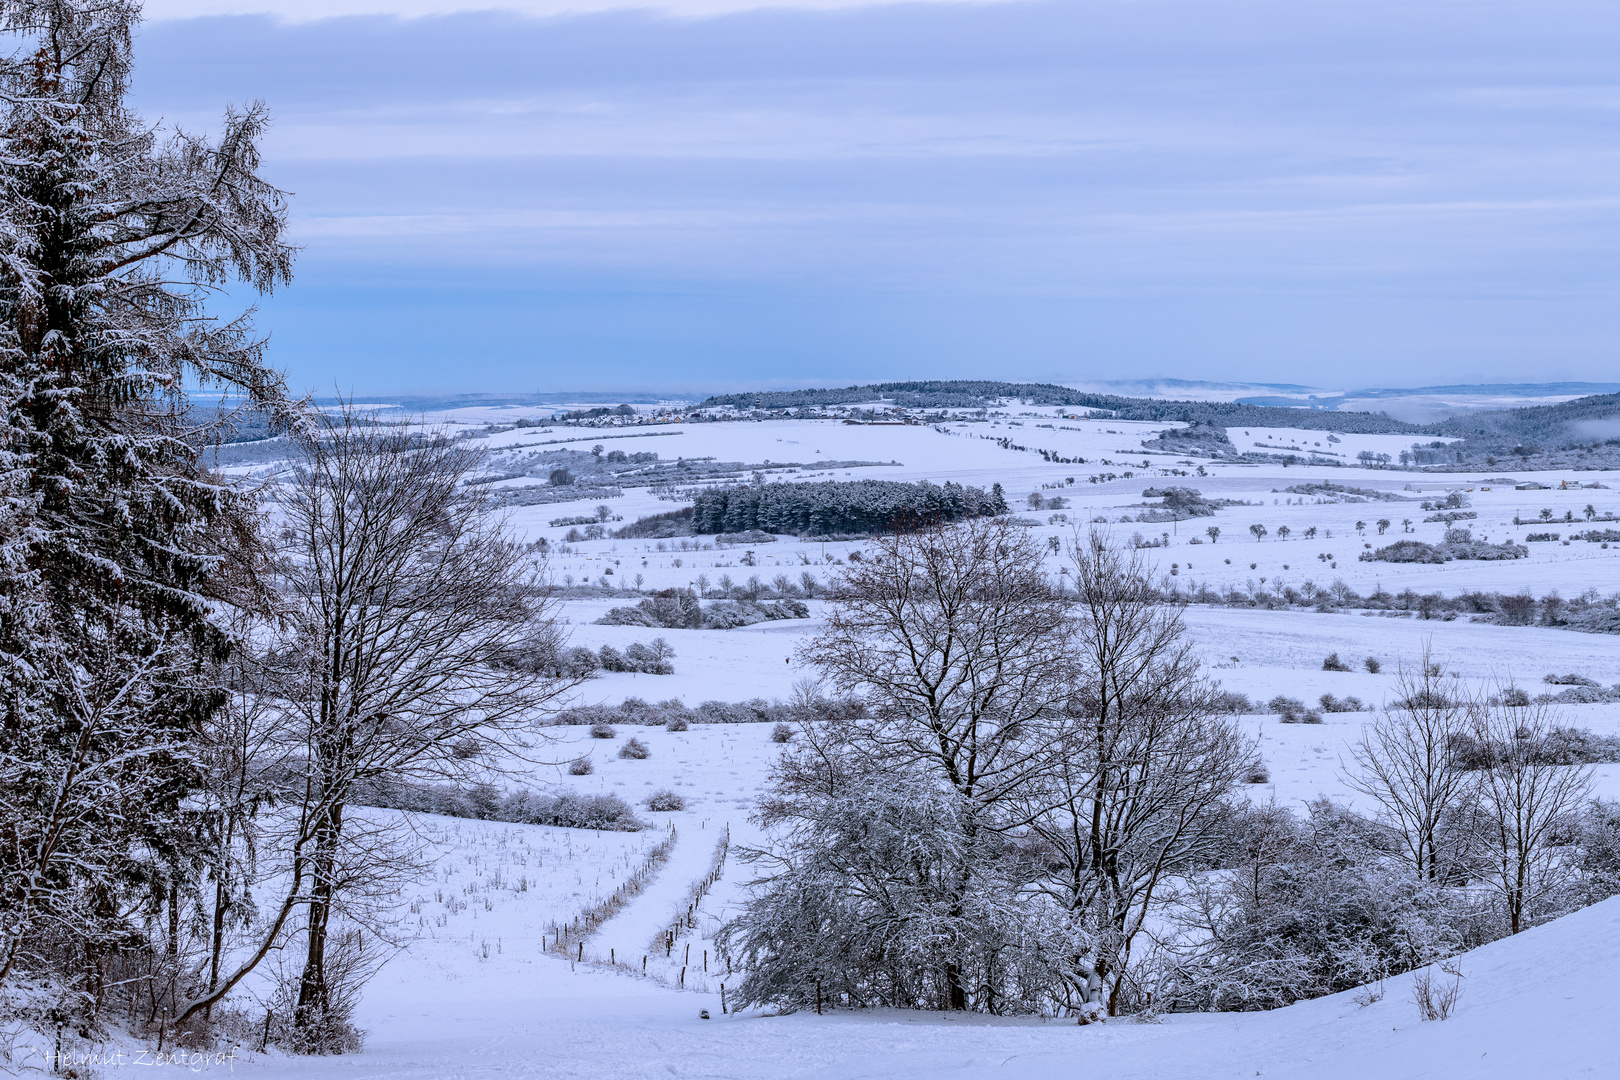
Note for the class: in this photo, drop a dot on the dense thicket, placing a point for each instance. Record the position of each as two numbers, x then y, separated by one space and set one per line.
838 506
485 802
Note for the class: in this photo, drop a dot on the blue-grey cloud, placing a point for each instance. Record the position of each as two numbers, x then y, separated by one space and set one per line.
1321 192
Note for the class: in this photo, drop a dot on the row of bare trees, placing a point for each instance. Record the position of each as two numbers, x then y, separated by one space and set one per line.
1064 759
1044 784
1474 787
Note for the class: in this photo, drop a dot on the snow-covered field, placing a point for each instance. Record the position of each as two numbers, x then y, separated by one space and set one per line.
473 994
1537 1005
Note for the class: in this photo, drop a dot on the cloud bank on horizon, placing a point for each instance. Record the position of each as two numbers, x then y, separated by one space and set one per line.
701 194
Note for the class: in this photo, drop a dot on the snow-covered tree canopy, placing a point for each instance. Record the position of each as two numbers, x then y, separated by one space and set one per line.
114 236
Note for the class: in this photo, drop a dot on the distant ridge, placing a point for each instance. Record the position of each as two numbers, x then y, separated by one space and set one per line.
967 394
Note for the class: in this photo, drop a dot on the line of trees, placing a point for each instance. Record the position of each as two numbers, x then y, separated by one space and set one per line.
1038 809
992 833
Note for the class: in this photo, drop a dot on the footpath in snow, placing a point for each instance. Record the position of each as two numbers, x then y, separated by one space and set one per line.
633 932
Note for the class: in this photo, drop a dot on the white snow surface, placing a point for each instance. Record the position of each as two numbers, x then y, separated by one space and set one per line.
473 996
1540 1005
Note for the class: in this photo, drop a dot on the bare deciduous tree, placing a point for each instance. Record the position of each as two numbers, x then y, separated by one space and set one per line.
1524 794
405 603
1130 783
960 645
1407 764
406 595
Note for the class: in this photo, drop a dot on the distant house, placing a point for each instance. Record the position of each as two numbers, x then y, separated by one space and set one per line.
1530 485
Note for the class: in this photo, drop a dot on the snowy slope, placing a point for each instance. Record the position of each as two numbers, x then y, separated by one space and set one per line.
1537 1006
474 996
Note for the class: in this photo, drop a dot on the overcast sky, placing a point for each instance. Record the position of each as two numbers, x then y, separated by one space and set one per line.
574 194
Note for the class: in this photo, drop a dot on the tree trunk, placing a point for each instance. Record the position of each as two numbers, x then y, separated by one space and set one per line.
314 995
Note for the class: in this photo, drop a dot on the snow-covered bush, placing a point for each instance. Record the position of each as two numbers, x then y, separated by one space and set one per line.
1557 746
678 609
664 801
650 659
603 731
1288 709
634 749
485 802
1597 844
1568 680
1333 663
1515 696
1459 544
1372 665
1348 703
581 766
1406 551
571 811
782 732
1313 907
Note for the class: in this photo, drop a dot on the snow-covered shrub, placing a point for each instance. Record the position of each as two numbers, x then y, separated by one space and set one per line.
782 732
330 1030
1598 850
1333 663
630 616
1288 709
612 659
1372 665
581 766
1257 773
650 659
603 731
1435 999
677 722
1310 716
664 801
1557 746
634 749
1348 703
1579 695
1568 680
1312 907
1405 551
1232 703
571 811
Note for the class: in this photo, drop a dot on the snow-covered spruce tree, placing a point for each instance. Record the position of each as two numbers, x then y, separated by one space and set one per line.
111 241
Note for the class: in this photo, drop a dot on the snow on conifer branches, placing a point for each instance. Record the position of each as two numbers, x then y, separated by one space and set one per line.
113 237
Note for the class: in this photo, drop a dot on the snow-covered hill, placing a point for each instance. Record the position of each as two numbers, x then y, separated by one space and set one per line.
1540 1005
